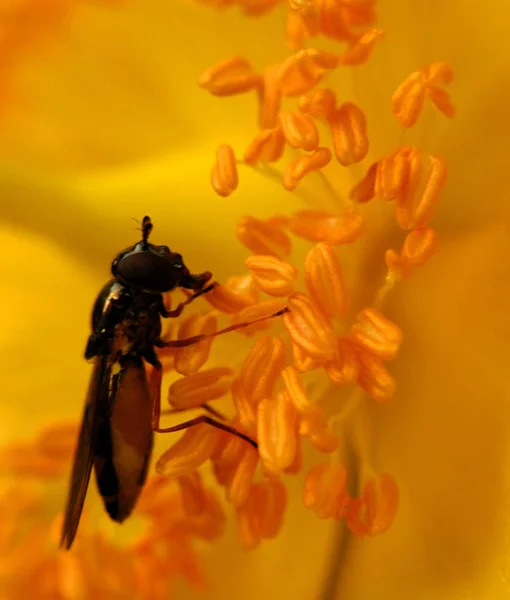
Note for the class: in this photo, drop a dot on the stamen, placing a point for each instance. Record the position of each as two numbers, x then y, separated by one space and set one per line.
324 280
227 301
231 76
362 48
257 8
344 367
303 165
417 203
243 285
224 178
194 390
267 146
295 391
194 448
409 98
276 432
312 425
375 511
399 268
272 275
245 407
299 130
238 488
349 129
376 334
193 493
309 329
392 173
262 237
190 359
332 229
364 191
262 515
320 104
270 97
325 491
419 245
301 72
262 367
374 378
302 361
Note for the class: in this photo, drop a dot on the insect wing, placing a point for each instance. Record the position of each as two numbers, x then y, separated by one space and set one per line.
96 410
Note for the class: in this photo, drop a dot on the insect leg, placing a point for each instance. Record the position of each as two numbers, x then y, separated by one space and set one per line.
198 338
209 409
180 307
209 421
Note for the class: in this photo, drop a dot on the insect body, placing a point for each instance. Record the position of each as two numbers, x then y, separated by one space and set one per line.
122 409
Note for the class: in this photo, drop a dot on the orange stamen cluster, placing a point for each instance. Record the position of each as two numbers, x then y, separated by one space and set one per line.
271 399
175 514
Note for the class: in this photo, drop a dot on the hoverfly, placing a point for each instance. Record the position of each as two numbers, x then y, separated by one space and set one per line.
122 408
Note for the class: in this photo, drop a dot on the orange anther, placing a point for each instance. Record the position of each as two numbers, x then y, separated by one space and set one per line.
393 173
194 448
262 514
238 487
302 361
297 169
295 31
299 130
194 390
376 334
408 100
295 391
194 499
227 301
231 76
262 367
344 367
272 275
302 71
313 425
317 226
417 202
325 491
324 280
419 245
263 237
320 103
441 100
309 328
374 378
257 311
190 359
398 267
224 178
349 129
325 441
243 285
270 97
245 407
365 189
277 432
335 22
267 146
375 511
362 48
438 72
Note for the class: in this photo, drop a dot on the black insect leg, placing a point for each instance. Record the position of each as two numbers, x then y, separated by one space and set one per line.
176 312
198 338
209 421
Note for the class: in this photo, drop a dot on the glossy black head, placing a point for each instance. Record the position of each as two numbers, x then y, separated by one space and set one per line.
154 268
